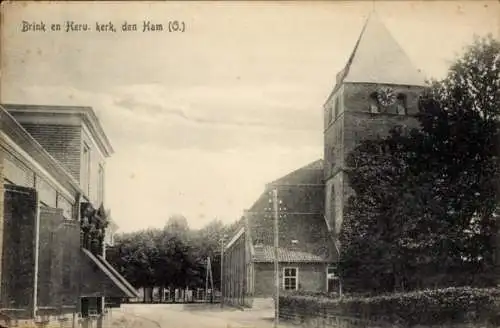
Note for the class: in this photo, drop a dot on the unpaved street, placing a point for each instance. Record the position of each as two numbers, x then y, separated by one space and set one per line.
187 316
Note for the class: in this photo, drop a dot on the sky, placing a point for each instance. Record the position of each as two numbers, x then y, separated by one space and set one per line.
201 120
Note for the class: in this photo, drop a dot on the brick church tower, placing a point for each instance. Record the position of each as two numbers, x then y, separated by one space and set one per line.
377 89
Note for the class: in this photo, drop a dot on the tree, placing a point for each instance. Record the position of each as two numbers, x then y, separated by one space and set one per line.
172 257
178 225
424 209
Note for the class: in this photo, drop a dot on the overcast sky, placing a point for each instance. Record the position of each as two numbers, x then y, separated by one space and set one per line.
201 120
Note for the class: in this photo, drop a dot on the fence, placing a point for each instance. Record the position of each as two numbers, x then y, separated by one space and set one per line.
156 295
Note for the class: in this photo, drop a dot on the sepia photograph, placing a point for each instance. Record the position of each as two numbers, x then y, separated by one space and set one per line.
250 164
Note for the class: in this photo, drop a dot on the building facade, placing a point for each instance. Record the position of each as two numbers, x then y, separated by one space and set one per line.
377 90
53 217
306 253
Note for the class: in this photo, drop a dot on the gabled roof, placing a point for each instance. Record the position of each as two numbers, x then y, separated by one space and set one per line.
378 58
305 175
265 254
301 191
302 194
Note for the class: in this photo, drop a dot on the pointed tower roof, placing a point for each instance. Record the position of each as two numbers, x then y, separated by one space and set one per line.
378 58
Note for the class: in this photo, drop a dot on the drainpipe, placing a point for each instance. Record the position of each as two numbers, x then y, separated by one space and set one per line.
37 246
77 217
2 197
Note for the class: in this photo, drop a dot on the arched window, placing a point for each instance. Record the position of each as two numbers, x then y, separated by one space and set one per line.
333 206
337 106
401 104
374 103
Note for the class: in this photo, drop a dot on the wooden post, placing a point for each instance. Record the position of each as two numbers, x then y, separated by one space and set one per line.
276 260
211 282
206 279
222 287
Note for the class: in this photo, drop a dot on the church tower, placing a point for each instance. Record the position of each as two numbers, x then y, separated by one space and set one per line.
377 90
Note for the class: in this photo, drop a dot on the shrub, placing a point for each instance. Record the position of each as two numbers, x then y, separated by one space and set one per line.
426 307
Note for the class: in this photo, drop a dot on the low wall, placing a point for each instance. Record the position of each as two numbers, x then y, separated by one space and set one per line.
66 321
325 319
329 320
461 307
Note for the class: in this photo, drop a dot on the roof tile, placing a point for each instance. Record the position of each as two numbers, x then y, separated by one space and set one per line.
265 254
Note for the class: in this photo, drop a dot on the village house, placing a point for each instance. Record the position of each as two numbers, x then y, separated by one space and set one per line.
52 216
378 89
305 252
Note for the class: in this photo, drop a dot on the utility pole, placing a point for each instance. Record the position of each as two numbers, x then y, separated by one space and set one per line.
222 289
211 282
206 278
276 260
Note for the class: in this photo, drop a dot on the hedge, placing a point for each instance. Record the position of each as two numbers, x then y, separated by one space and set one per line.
457 305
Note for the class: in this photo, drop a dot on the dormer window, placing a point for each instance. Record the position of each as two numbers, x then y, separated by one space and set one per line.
401 104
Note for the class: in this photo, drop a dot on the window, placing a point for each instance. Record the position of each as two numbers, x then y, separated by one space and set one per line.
332 271
85 179
333 284
290 278
101 183
401 104
373 103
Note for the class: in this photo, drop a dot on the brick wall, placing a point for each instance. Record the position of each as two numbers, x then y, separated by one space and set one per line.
360 124
355 123
312 277
59 248
333 146
62 142
18 256
69 236
49 258
364 126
